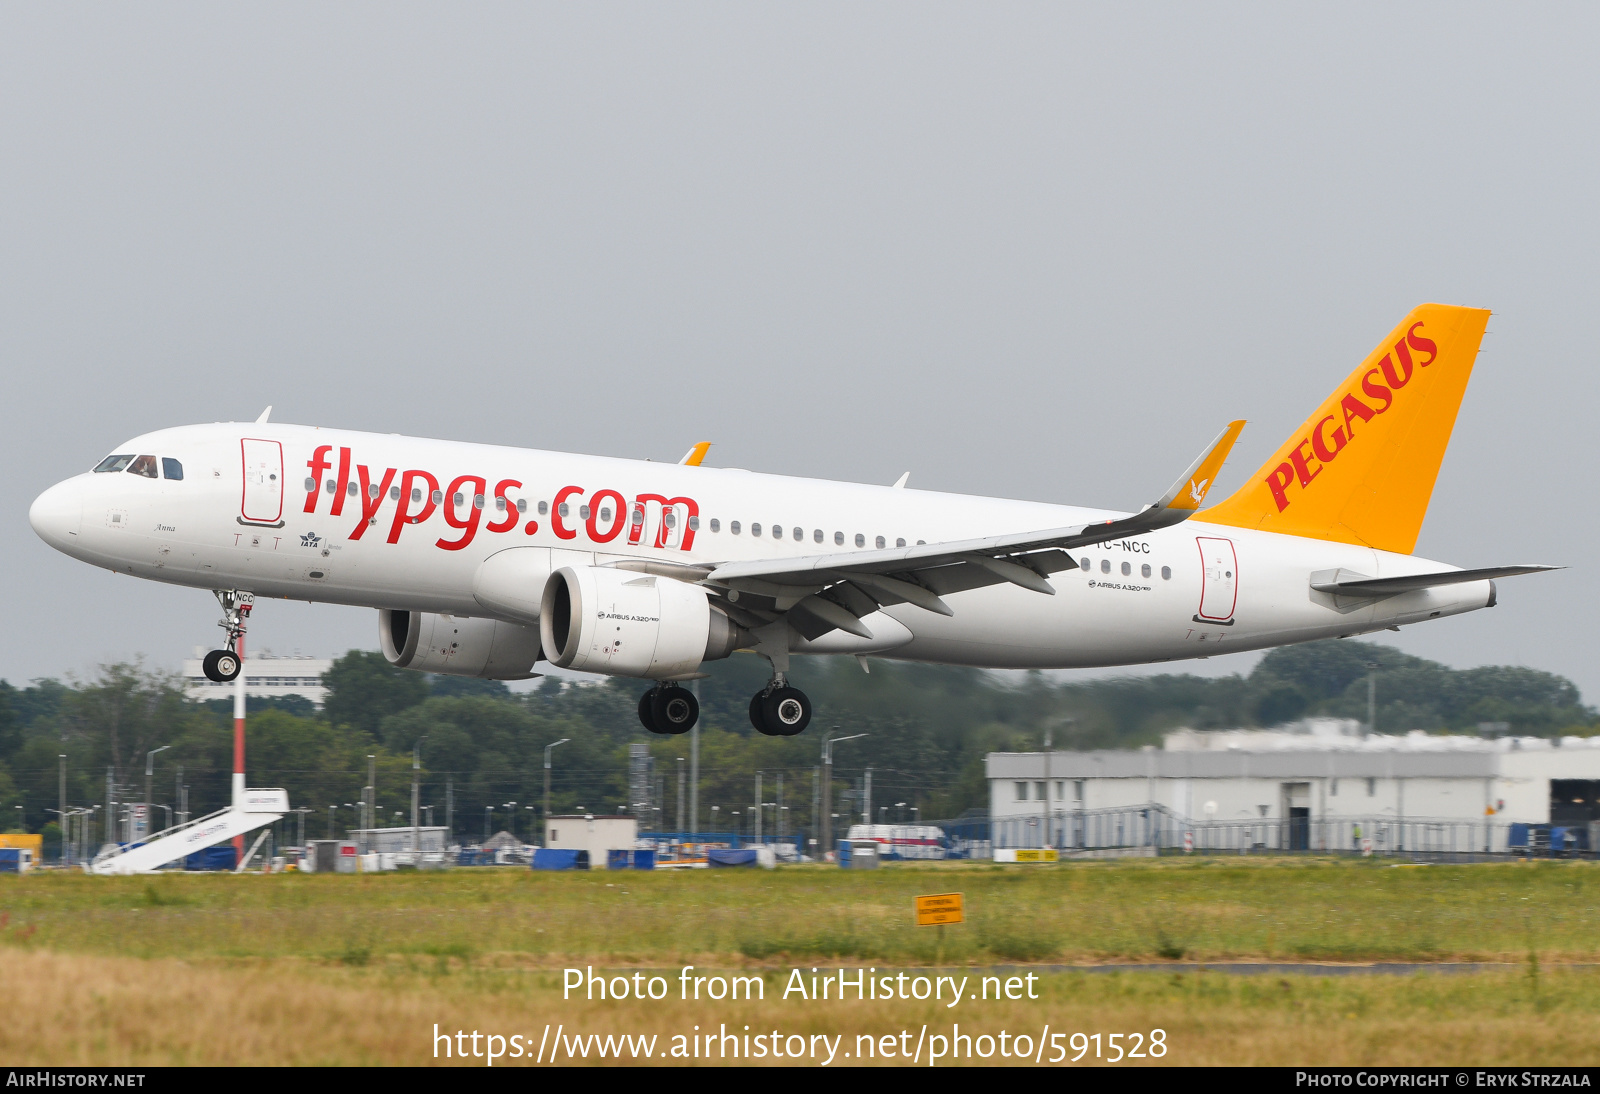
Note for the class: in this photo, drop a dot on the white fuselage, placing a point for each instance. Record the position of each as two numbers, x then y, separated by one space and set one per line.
238 519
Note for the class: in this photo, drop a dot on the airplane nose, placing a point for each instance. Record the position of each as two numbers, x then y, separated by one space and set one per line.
57 514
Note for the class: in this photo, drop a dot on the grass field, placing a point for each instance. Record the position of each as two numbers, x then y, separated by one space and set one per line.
342 969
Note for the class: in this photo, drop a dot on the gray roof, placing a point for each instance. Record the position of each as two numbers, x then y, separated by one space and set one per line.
1237 763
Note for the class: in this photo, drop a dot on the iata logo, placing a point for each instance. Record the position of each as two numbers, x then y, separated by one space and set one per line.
310 539
1334 433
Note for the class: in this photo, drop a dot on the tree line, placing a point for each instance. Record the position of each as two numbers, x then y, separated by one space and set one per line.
481 747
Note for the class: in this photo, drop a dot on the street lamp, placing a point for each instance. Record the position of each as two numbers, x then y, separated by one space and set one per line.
512 818
827 787
416 769
547 749
488 813
149 760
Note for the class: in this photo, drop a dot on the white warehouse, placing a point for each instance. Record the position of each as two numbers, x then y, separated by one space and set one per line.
1318 787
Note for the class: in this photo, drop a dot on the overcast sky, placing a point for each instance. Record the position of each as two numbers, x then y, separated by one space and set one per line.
1039 251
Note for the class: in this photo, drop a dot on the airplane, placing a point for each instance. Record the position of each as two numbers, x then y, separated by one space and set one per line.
484 560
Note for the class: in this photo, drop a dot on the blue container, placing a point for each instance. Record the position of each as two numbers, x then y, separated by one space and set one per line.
549 858
211 858
727 856
644 860
10 860
1518 836
619 860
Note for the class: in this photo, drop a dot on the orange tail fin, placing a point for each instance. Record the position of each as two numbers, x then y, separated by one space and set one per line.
1362 468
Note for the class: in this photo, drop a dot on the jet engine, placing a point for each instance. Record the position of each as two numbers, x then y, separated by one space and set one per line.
458 645
623 623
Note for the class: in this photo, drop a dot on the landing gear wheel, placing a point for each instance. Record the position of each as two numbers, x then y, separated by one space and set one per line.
756 718
673 709
647 716
786 711
221 666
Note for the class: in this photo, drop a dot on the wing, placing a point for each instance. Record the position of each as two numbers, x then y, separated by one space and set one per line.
820 593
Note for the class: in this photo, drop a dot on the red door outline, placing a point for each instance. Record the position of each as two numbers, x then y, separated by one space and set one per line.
1215 590
244 485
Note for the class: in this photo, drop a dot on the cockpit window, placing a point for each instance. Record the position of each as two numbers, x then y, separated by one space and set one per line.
171 468
143 465
113 463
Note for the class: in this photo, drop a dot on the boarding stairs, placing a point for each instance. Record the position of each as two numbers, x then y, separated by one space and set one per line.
251 809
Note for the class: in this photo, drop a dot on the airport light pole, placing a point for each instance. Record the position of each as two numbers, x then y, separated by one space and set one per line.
547 748
827 787
149 766
488 812
511 814
416 768
1372 698
680 798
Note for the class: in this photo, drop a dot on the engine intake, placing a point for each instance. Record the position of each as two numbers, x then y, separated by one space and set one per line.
456 645
621 623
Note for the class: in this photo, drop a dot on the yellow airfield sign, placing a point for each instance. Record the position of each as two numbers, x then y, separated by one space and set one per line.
1036 854
938 909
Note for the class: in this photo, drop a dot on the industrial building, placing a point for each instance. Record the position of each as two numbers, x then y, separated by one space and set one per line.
267 676
594 834
1319 785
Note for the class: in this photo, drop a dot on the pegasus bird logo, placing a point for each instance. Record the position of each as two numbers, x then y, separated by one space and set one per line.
1197 490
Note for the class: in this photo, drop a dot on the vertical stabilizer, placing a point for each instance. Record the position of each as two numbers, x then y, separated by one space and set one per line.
1362 468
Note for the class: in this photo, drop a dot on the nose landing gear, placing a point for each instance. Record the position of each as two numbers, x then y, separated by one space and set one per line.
668 709
223 665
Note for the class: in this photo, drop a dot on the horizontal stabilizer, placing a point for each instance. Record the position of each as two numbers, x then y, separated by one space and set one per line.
1348 583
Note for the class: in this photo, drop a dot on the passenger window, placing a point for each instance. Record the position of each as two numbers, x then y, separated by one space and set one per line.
605 513
716 525
583 512
438 496
477 501
500 504
881 542
112 463
669 518
562 509
817 535
522 504
544 507
1166 573
143 465
1127 569
755 529
637 520
1105 565
694 523
838 539
777 531
861 540
350 489
734 527
799 534
416 495
1083 564
332 486
172 469
394 493
899 543
311 484
1144 571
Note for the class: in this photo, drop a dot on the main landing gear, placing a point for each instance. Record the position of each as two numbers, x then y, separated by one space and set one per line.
668 709
223 665
780 710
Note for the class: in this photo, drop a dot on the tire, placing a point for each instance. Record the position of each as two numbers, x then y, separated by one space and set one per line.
674 710
787 711
221 666
756 718
647 717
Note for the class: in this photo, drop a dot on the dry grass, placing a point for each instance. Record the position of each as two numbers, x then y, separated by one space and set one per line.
129 1012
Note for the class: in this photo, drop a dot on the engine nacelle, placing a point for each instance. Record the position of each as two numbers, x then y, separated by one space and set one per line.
623 623
457 645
